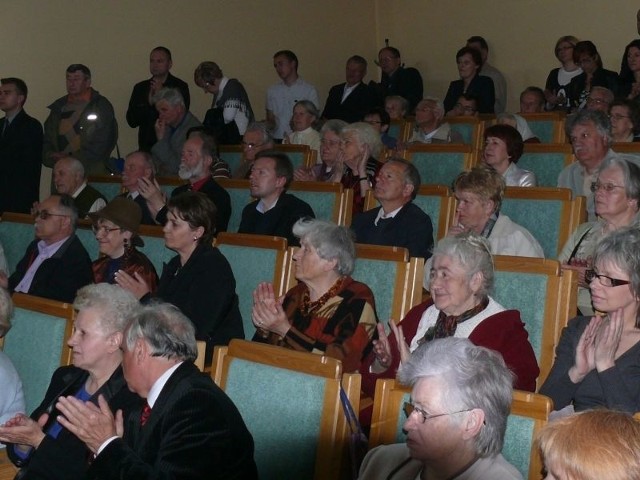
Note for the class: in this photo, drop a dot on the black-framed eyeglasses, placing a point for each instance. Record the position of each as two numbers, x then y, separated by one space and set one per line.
606 187
410 408
43 214
103 229
605 281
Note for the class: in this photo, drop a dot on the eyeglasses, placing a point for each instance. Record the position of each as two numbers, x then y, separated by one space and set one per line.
43 214
251 145
605 187
605 281
465 109
103 229
410 408
596 101
617 116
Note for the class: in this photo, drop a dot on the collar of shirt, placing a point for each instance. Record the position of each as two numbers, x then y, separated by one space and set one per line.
196 186
10 118
223 83
79 190
159 384
262 207
381 214
348 89
47 251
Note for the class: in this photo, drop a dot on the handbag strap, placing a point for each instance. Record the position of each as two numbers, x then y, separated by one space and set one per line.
352 420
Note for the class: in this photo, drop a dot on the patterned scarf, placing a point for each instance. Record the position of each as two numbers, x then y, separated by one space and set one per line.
446 325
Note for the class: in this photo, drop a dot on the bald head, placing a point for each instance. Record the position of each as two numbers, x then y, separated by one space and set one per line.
68 175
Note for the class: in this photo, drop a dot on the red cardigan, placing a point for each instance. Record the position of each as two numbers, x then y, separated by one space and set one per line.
503 332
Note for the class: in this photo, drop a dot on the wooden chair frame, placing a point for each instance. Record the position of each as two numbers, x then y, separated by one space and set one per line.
388 404
556 117
478 128
334 431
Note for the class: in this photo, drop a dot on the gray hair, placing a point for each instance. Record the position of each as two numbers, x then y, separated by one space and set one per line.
167 331
263 129
622 249
630 175
334 125
608 94
170 95
438 105
404 103
6 312
147 160
67 205
309 107
115 304
474 377
331 241
584 117
365 134
411 174
473 253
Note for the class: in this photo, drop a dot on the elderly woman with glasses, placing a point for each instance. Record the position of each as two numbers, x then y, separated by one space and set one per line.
617 201
625 121
460 281
598 357
116 229
327 312
456 419
330 169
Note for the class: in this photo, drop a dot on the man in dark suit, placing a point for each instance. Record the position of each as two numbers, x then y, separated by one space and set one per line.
138 165
397 221
274 211
189 428
20 150
141 112
195 166
55 264
350 101
397 80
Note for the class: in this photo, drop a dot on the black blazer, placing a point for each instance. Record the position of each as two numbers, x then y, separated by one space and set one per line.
362 99
194 432
601 78
481 86
60 276
406 82
66 456
20 163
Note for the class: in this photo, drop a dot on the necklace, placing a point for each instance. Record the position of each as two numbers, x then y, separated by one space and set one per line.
308 307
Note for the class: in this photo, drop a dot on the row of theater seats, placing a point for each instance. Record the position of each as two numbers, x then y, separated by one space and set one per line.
549 213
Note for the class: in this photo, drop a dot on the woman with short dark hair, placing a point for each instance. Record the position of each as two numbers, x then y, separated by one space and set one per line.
503 146
469 64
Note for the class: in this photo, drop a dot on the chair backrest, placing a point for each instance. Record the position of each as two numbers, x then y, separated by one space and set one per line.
37 342
470 128
545 296
439 163
529 413
400 129
16 232
546 160
300 155
291 400
232 154
108 185
253 259
435 200
547 126
240 196
548 213
328 200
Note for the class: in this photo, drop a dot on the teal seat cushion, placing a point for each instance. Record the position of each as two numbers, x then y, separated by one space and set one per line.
431 205
15 238
109 189
380 277
322 203
466 130
283 411
233 159
239 199
250 266
517 443
438 167
543 129
88 240
34 345
157 253
541 217
546 166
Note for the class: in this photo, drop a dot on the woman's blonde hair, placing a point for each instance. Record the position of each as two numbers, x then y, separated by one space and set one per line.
592 445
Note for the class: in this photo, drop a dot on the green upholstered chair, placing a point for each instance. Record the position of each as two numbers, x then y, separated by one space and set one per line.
232 154
154 247
529 413
289 400
88 240
37 343
253 259
548 213
470 128
439 163
108 185
240 196
300 155
546 161
545 296
547 126
396 129
326 199
435 200
16 232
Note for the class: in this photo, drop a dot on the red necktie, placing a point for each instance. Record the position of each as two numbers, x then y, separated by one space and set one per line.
144 416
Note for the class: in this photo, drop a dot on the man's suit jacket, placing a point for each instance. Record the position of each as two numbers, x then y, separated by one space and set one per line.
355 106
20 163
60 276
218 195
66 456
194 432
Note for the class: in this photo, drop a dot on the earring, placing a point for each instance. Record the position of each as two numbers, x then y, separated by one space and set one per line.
195 239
